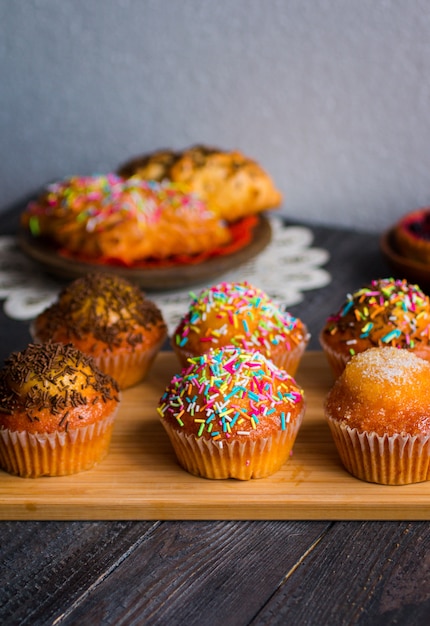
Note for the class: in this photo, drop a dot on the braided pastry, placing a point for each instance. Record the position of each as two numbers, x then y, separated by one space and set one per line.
107 217
232 185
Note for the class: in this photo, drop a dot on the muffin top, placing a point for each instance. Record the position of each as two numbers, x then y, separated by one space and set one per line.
383 390
387 312
239 314
52 387
228 394
106 307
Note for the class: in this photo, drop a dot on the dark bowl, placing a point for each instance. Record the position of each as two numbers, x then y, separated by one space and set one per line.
404 267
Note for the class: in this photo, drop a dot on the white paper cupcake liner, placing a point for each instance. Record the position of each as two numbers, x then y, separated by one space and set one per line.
240 459
55 454
387 460
336 360
129 368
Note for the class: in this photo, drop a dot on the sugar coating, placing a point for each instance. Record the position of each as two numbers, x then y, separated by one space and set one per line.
383 390
391 366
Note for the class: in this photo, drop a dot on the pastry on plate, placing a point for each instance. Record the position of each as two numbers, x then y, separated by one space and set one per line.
232 414
108 219
57 411
233 185
237 313
378 412
386 312
111 320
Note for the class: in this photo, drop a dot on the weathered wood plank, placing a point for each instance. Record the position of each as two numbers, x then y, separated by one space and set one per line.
48 565
198 573
361 573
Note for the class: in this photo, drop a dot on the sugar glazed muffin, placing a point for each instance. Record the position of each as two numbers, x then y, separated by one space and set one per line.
412 235
239 314
57 411
232 184
110 220
387 312
232 414
379 414
108 318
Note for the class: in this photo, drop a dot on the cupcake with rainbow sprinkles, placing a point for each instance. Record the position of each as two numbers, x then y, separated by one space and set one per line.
239 314
232 414
386 312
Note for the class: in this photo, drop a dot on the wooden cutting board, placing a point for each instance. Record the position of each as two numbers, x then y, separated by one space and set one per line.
140 479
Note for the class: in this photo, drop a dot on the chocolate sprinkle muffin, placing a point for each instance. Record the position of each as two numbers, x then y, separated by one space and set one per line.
108 318
57 411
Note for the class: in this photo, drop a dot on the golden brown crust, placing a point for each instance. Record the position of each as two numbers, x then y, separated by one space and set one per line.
107 218
232 184
51 388
151 166
383 391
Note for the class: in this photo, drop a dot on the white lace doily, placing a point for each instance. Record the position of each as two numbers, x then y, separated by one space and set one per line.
286 268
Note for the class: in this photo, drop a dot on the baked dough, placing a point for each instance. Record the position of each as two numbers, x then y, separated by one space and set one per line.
107 217
232 185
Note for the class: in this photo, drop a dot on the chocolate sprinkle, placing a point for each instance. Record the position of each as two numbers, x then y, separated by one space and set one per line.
51 362
88 306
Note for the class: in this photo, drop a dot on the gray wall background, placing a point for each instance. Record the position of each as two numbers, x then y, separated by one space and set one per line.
332 97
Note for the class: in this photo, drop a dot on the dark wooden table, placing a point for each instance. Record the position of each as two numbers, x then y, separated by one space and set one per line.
226 572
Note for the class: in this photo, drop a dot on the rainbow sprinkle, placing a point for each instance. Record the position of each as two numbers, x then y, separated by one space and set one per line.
238 314
94 199
388 311
230 392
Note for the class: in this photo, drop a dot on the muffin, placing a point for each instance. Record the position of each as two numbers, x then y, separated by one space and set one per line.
105 219
232 414
386 312
109 319
412 235
378 412
239 314
231 184
57 411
